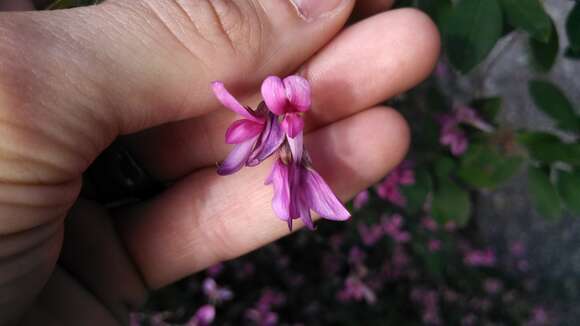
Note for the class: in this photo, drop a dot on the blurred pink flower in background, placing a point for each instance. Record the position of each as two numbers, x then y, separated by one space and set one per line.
356 256
539 317
214 292
392 226
203 317
370 235
477 258
355 289
434 245
215 270
429 302
361 199
452 135
390 190
492 285
429 223
262 313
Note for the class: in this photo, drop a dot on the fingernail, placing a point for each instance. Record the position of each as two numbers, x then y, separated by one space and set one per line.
312 9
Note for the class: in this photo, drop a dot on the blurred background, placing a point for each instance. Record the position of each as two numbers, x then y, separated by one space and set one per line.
477 227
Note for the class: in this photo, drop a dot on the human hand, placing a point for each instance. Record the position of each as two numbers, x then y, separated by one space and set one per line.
72 81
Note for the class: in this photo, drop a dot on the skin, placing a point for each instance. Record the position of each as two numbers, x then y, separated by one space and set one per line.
72 81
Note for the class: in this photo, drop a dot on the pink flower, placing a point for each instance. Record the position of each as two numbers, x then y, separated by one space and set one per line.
298 189
288 98
434 245
429 301
370 235
214 270
203 317
476 258
429 224
390 190
452 135
214 292
361 199
539 317
262 313
356 256
392 226
257 136
356 289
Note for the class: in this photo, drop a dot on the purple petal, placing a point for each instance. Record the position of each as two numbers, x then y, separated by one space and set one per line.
298 92
237 157
279 180
231 103
296 147
271 139
274 95
320 197
243 130
204 315
293 124
305 213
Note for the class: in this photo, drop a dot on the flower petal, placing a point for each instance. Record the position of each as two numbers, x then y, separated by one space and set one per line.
237 157
231 103
296 147
293 124
243 130
270 140
320 197
298 92
305 213
279 180
274 95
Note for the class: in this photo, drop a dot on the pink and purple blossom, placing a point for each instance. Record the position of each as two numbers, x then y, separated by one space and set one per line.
204 316
276 127
288 98
255 137
390 189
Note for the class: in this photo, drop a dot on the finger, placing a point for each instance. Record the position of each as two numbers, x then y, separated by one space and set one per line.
367 63
206 218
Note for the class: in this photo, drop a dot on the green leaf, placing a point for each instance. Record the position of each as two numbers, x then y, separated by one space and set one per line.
573 28
483 166
438 10
569 190
451 203
443 167
544 54
488 108
544 194
547 148
530 16
471 31
572 53
552 101
417 192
